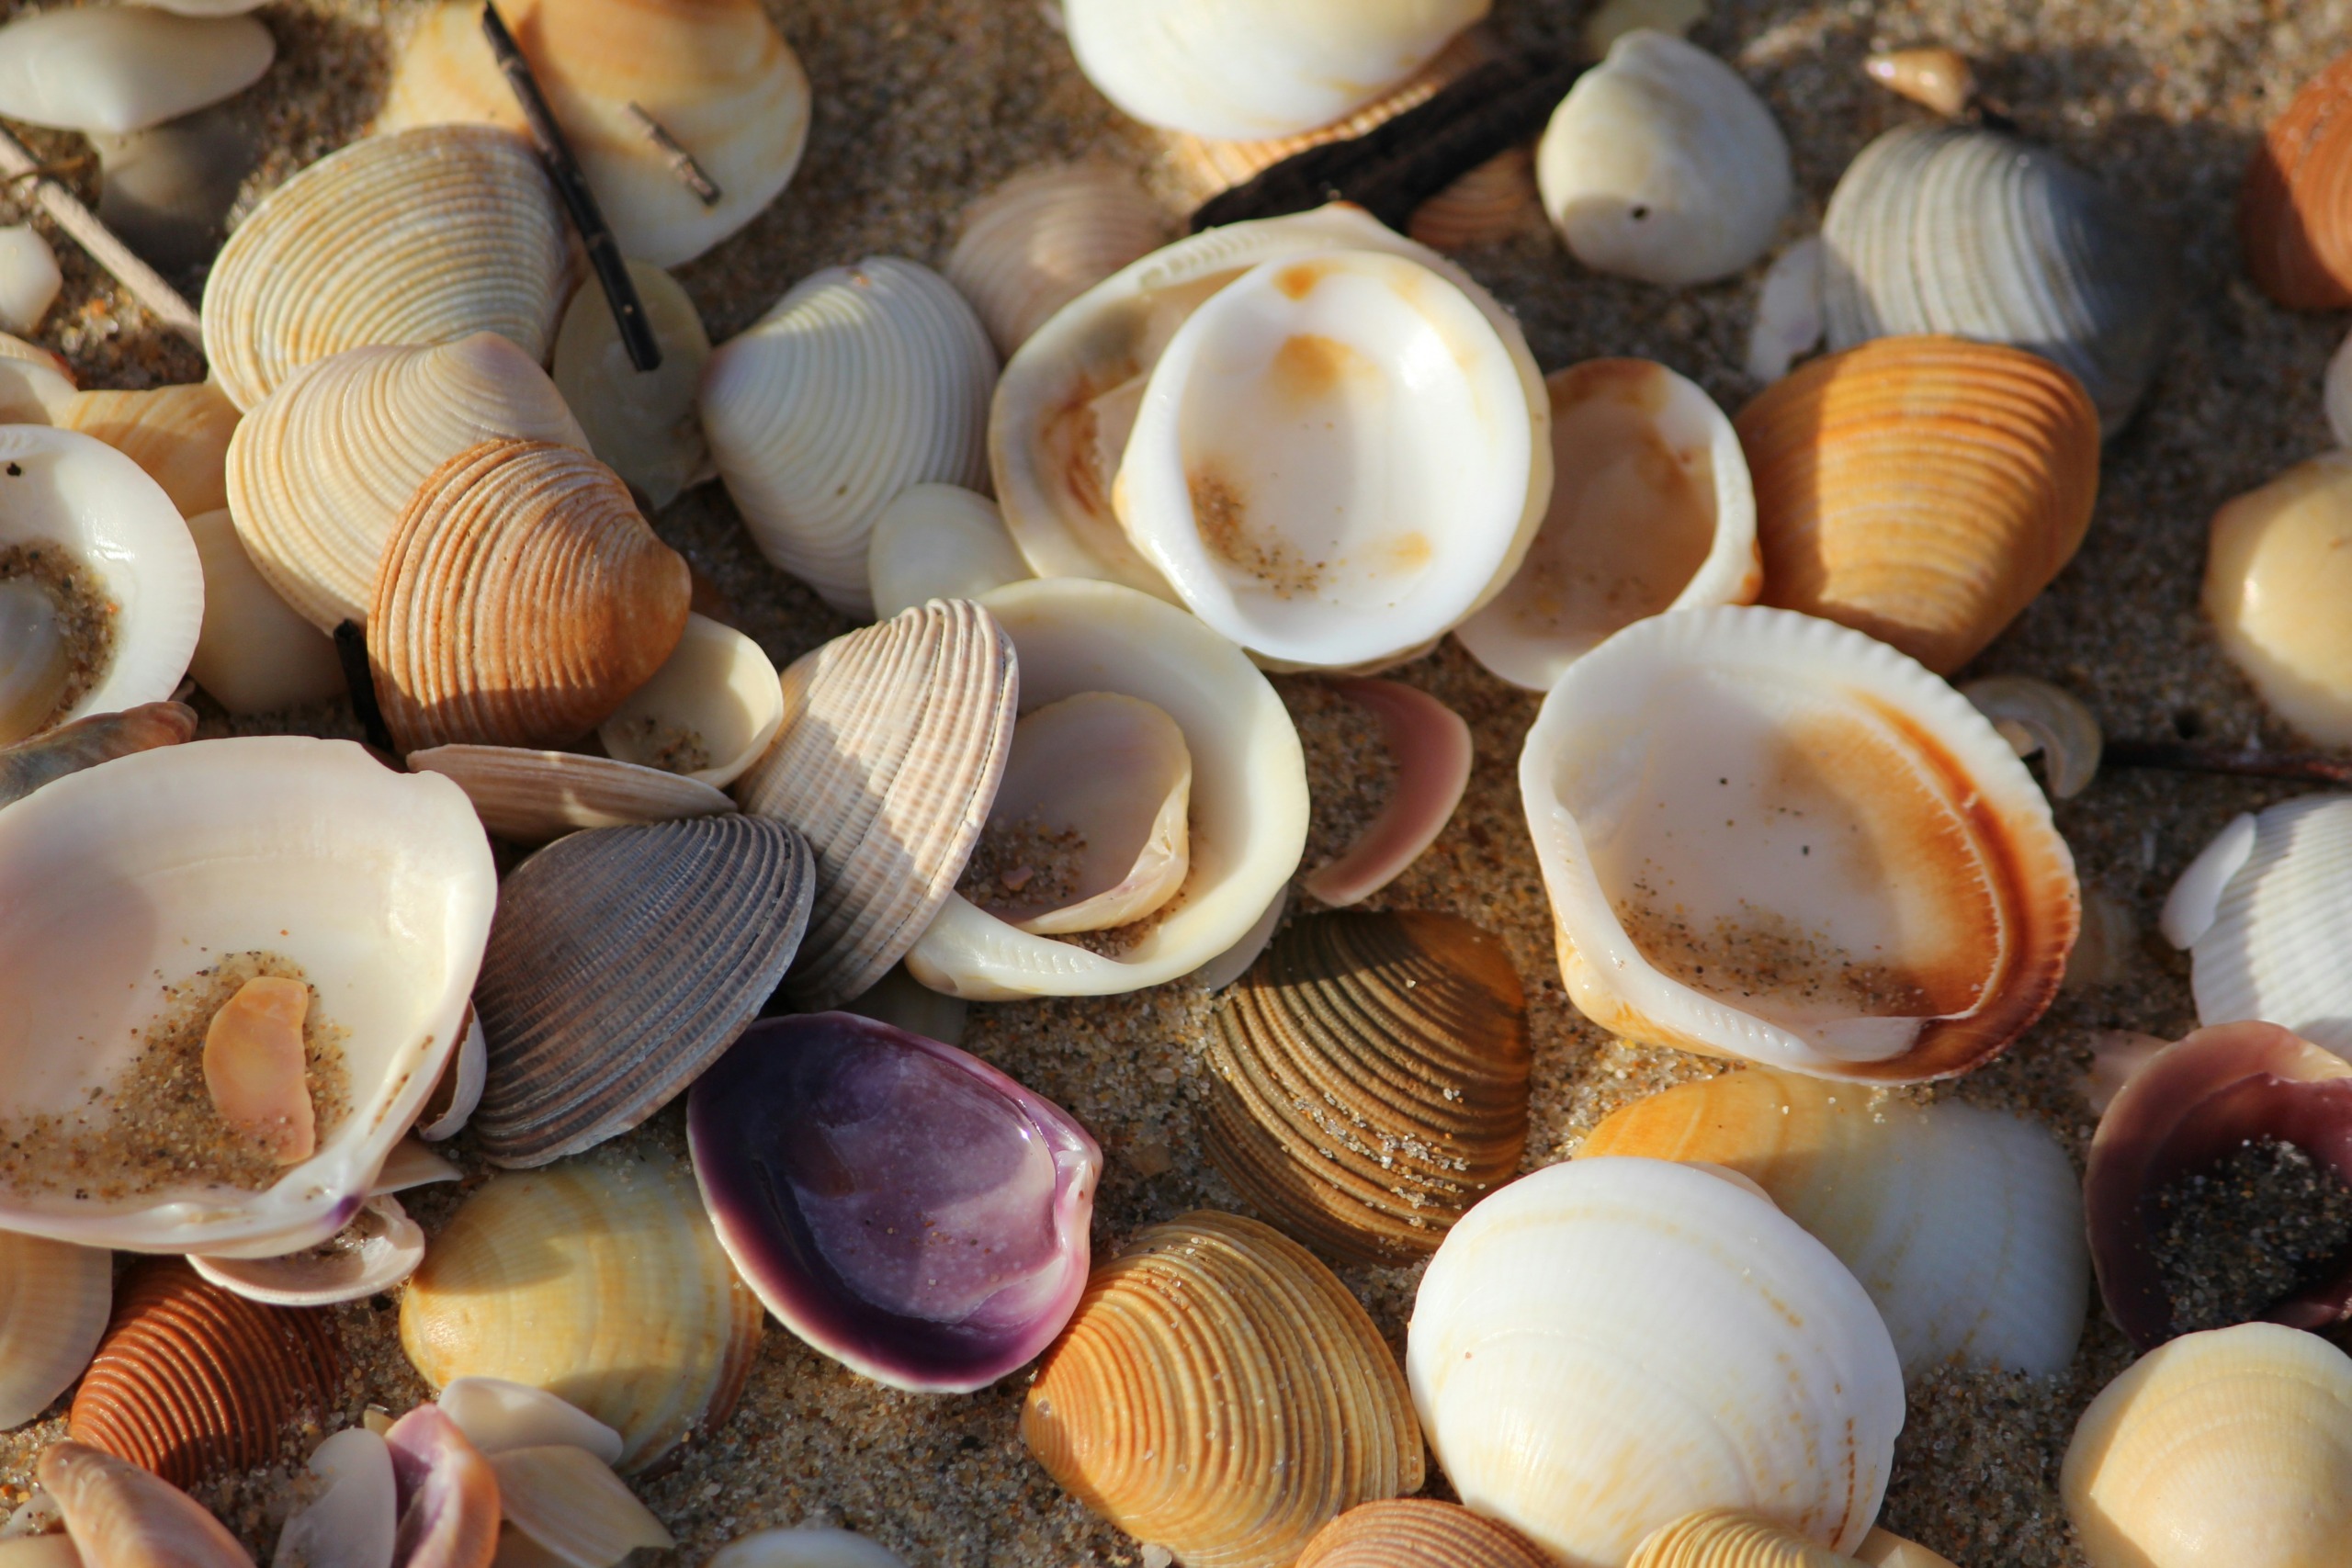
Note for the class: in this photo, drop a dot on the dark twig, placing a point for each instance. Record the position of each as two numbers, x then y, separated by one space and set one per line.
689 174
2181 757
351 648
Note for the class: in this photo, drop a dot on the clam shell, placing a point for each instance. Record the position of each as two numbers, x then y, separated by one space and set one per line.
2278 575
1372 1080
192 1382
2291 208
119 68
496 1416
859 382
30 279
254 653
320 475
1939 79
566 1501
118 1514
55 1299
1974 233
2265 938
1220 1392
414 238
530 797
708 714
355 1521
599 1277
1922 490
86 742
1788 312
521 600
178 434
645 423
1431 745
805 1546
622 962
375 1252
893 741
1417 1532
938 542
1044 237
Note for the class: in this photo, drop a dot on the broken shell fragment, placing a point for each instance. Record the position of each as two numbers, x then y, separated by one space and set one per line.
2036 716
2291 216
530 797
30 279
180 435
938 542
119 68
86 742
354 1522
1936 78
255 653
1430 746
55 1299
1418 1533
567 1500
1788 312
456 1095
447 1493
496 1416
644 423
380 1247
253 1066
708 714
1044 237
119 1515
2266 913
167 191
2278 575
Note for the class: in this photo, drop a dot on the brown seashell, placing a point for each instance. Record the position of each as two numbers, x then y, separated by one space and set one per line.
520 601
1418 1533
192 1382
178 434
1372 1080
1220 1392
1727 1537
2295 208
1922 490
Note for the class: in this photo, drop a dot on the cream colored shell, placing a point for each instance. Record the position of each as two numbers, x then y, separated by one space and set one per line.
938 542
179 435
645 423
123 68
1044 237
708 714
2266 913
254 654
2277 577
532 796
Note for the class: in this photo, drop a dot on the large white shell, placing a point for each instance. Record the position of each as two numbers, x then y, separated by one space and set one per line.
938 542
706 714
1043 238
1608 1345
2266 913
123 68
54 1301
254 654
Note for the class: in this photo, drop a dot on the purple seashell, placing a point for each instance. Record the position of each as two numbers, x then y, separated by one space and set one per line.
901 1205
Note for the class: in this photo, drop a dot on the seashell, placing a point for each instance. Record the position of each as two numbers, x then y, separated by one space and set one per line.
1880 1550
1613 19
708 714
2117 1055
55 1299
167 191
30 279
2265 912
17 351
132 894
119 68
1788 323
2290 208
447 1493
893 741
1430 746
410 1164
1727 1537
1961 229
1936 78
806 1546
550 1277
497 1416
254 653
622 962
2230 1446
1372 1080
2036 716
416 238
458 1093
121 1516
816 1140
1418 1533
1922 490
521 600
39 1552
2278 571
1235 961
178 434
1489 204
713 77
194 1382
1963 1225
86 742
565 1500
644 423
1662 164
1608 1345
1221 1393
1248 818
530 797
2337 393
859 382
35 385
320 475
1915 957
1651 510
380 1247
938 542
1044 237
901 1001
354 1522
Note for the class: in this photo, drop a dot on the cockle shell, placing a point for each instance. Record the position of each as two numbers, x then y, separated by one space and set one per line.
566 1502
1608 1345
120 1516
806 1546
521 599
551 1278
180 435
1220 1393
119 68
708 714
1651 511
938 542
1727 1537
1044 237
30 279
1418 1533
1963 1225
2291 210
84 743
1371 1081
2266 913
645 423
416 238
255 653
2277 576
55 1299
1920 489
1767 836
353 1522
533 796
321 471
374 1253
1430 744
2229 1447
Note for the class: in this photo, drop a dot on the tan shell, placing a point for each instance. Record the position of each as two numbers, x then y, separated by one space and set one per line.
414 238
1727 1537
1418 1533
1220 1392
1372 1080
708 714
178 434
1486 205
2292 214
2277 577
54 1301
254 654
893 741
521 599
1936 77
644 422
532 796
1043 238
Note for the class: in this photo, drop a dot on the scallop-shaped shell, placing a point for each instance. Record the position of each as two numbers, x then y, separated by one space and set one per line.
1767 836
123 68
2229 1447
859 382
1608 1345
1372 1080
2266 913
254 654
178 434
533 796
938 542
319 474
55 1299
555 1278
1418 1533
1220 1393
893 741
1962 230
414 238
2277 576
708 714
192 1382
380 1247
521 599
2292 208
1920 489
622 962
645 423
117 1513
1043 238
1727 1537
86 742
1964 1225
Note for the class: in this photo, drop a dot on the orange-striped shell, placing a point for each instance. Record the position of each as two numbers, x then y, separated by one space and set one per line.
2295 208
1418 1533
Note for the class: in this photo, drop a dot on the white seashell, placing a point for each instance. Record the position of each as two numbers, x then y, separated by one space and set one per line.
1613 19
1235 961
354 1522
904 1002
2034 715
1651 510
1662 164
2277 576
859 382
410 1164
706 714
938 542
167 191
1043 238
29 279
643 425
496 1414
2272 947
122 68
570 1502
35 386
380 1247
1606 1346
468 1075
55 1298
533 796
2337 393
2195 901
806 1546
1789 316
254 654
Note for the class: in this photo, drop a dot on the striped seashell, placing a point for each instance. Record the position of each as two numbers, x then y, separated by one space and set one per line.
2266 913
1043 238
531 796
179 435
1484 206
86 742
1727 1537
413 238
2292 207
55 1299
1418 1533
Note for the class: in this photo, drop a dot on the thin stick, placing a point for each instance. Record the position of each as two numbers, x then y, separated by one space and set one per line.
682 162
2179 757
144 282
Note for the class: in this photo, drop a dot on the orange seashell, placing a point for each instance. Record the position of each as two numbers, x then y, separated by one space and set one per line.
1921 489
2295 208
1417 1532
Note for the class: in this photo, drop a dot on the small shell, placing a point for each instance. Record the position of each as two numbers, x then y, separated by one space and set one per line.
30 279
806 1546
2278 575
1430 746
1922 490
355 1521
410 1164
180 435
121 1516
1486 205
496 1416
86 742
375 1252
1220 1392
2036 716
447 1493
708 714
1044 237
1417 1532
568 1502
55 1299
1727 1537
1936 78
119 68
2291 208
254 654
2270 944
1372 1080
644 423
1788 312
859 382
938 542
530 797
416 238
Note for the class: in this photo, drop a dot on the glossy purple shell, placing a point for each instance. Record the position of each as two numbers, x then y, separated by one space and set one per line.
900 1205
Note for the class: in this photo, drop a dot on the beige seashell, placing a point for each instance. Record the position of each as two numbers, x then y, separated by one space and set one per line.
416 238
1043 238
35 385
380 1247
1936 78
566 1500
938 542
121 1516
2036 716
1418 1533
532 796
496 1416
254 654
30 279
645 423
806 1546
180 435
1486 205
84 743
55 1299
353 1521
121 68
39 1552
2277 576
1727 1537
708 714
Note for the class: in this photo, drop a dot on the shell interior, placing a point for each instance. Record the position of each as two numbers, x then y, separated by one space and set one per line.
706 714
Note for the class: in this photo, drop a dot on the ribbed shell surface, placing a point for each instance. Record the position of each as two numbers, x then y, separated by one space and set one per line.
413 238
1221 1393
54 1302
621 962
1043 238
2277 948
893 742
1372 1080
520 600
533 796
1726 1538
1418 1533
2295 208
